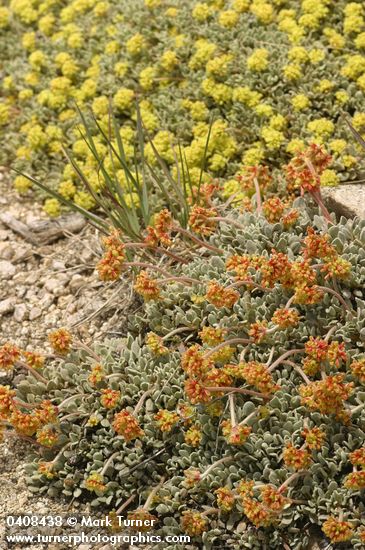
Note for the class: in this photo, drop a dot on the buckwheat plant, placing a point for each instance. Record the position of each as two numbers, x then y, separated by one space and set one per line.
234 407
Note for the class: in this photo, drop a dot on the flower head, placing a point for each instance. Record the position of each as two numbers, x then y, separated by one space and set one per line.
9 354
147 287
336 530
60 341
126 425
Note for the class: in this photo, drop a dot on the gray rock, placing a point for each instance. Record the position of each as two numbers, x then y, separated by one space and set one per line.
34 313
7 306
6 251
20 313
345 200
7 269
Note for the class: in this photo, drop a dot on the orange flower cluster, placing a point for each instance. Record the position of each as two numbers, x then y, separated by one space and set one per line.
47 436
196 391
142 515
24 423
126 425
218 377
257 375
97 375
147 287
95 482
318 246
257 512
357 458
336 530
273 498
319 350
306 167
200 220
220 296
235 435
193 523
110 266
241 265
109 398
212 336
33 359
222 355
316 348
355 481
337 267
296 459
225 499
9 354
290 218
194 363
192 477
245 488
166 420
257 331
186 413
46 469
193 437
327 396
155 344
314 438
160 233
273 209
46 413
285 318
358 369
250 173
276 269
6 401
60 341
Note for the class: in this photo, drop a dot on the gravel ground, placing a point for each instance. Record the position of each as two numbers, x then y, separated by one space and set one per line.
41 288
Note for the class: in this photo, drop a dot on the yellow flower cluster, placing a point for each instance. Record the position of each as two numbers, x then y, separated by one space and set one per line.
257 68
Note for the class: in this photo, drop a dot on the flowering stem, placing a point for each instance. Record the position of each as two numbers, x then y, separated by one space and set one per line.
125 504
226 343
329 333
81 345
198 241
26 405
176 331
289 302
258 195
338 296
152 494
232 410
228 221
248 418
147 266
108 462
214 389
32 371
60 453
291 478
180 280
299 371
358 408
212 466
237 284
318 198
162 251
69 399
284 356
142 399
